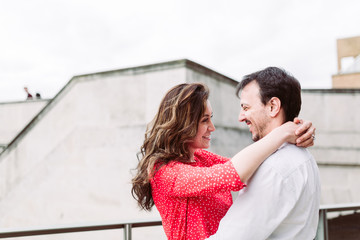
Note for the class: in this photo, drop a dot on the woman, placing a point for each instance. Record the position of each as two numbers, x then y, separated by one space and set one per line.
192 187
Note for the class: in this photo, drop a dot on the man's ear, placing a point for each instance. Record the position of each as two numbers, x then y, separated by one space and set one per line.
274 105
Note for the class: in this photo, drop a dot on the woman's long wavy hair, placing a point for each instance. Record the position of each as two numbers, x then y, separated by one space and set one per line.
168 135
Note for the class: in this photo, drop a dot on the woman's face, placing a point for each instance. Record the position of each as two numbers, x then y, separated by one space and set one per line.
205 127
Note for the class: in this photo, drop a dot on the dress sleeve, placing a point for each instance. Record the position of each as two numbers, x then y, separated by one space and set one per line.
184 180
209 158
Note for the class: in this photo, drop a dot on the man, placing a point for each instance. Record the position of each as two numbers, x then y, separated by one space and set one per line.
281 201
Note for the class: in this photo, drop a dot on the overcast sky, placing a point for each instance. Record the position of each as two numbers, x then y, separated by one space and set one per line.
46 42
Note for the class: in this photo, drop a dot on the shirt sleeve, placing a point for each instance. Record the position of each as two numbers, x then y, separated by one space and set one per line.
183 180
259 209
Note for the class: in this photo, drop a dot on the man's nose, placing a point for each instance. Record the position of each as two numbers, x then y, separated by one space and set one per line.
241 116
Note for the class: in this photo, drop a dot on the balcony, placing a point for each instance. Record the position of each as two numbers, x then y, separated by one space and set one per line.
325 230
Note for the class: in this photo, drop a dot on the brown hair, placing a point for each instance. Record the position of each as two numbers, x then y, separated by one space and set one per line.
167 136
276 82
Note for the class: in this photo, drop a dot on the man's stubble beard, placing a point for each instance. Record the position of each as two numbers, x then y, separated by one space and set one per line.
261 131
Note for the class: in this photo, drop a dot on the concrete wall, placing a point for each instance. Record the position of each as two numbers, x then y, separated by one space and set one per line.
337 147
14 116
72 164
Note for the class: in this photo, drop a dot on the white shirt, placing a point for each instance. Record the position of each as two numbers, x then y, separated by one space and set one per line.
281 201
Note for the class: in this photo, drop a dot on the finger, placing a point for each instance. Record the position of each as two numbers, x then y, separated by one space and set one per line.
307 143
298 120
309 134
306 126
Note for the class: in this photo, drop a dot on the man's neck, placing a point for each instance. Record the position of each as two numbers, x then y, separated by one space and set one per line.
274 123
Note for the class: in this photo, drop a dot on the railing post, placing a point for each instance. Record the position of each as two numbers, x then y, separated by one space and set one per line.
127 231
322 231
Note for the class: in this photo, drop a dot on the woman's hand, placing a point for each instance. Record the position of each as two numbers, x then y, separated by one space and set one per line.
288 130
299 132
305 133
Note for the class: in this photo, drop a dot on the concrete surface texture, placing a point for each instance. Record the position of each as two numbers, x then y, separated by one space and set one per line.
14 116
337 146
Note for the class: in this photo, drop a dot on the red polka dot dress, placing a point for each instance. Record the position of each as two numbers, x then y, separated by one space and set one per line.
193 198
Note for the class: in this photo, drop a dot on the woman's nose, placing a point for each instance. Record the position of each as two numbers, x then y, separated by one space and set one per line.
211 127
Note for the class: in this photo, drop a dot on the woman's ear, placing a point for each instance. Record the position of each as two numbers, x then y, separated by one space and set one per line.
274 106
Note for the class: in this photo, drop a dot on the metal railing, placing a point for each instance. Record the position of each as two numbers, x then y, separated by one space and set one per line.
322 232
127 226
323 229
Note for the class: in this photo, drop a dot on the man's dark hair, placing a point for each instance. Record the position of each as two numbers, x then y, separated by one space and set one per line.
276 82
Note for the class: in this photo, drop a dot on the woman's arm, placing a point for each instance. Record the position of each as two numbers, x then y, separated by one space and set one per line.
178 179
249 159
183 180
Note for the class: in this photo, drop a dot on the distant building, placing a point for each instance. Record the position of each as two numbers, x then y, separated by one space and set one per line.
348 51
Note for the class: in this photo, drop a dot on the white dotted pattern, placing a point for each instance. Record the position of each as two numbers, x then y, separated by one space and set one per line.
193 198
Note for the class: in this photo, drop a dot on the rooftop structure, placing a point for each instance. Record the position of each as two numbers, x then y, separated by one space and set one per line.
348 52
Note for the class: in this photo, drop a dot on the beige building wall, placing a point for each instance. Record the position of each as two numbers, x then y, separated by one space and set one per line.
346 80
347 47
